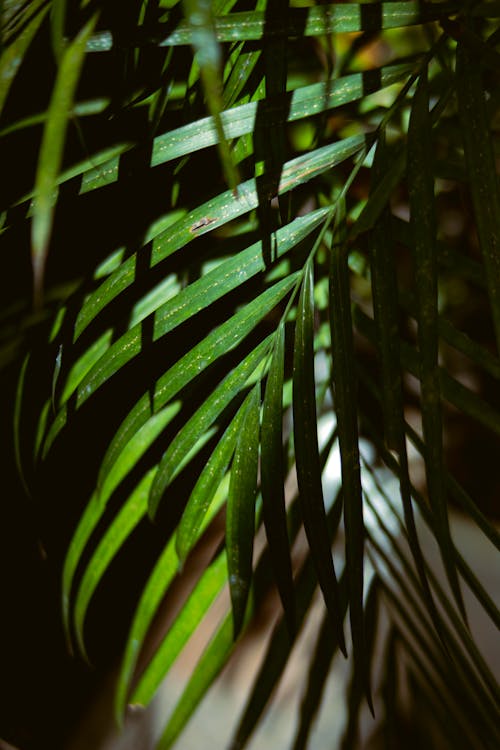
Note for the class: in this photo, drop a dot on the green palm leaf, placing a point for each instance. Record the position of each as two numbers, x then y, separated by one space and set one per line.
254 226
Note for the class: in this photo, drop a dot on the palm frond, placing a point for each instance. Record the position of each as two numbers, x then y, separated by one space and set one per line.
255 202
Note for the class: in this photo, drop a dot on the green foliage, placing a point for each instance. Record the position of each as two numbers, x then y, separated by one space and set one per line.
228 207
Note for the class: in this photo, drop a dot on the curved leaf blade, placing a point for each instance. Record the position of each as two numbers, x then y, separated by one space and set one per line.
118 532
193 299
481 170
218 342
213 214
240 515
272 478
201 598
209 482
51 152
346 409
422 217
201 421
307 452
208 55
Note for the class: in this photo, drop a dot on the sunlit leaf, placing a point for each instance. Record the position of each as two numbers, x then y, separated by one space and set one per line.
51 152
220 341
123 524
13 53
312 21
188 302
183 627
200 422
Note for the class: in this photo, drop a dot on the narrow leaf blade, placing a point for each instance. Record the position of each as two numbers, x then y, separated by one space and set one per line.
240 517
307 453
272 478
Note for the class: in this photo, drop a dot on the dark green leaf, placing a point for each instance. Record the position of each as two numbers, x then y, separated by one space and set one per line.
421 190
481 170
344 379
13 54
307 453
272 478
208 55
240 515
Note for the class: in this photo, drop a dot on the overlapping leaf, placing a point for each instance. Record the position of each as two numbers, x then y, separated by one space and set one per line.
240 76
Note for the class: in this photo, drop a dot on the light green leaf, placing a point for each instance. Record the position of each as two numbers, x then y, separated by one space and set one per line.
84 530
188 302
201 421
219 342
192 613
209 483
51 153
136 448
212 215
422 211
125 521
311 21
303 102
158 583
207 669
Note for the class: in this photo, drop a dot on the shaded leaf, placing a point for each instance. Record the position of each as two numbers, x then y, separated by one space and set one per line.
272 478
422 211
240 515
481 170
180 307
208 56
212 215
345 384
307 453
51 152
